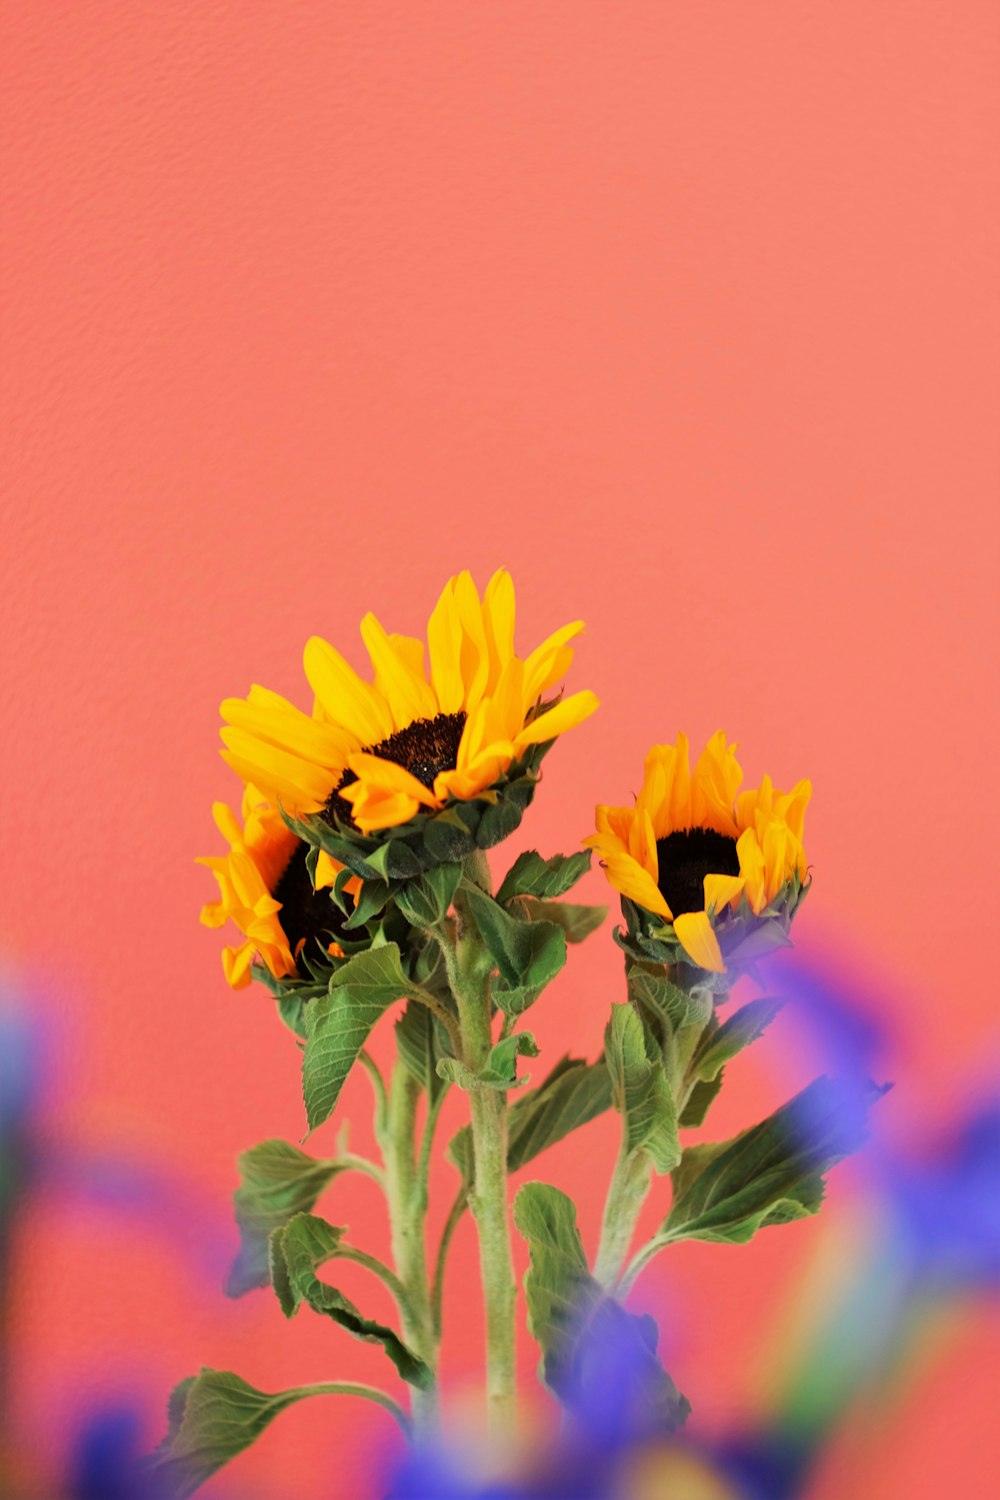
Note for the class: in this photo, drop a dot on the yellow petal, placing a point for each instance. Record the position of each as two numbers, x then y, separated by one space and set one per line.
548 662
236 965
722 890
444 643
299 784
498 620
752 869
348 701
474 660
555 721
697 938
327 870
637 884
408 695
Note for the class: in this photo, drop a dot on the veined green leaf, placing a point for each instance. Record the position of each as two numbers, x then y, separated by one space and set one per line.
426 901
338 1023
771 1173
531 875
675 1017
421 1043
528 955
640 1091
577 922
742 1028
278 1182
297 1252
576 1324
500 1070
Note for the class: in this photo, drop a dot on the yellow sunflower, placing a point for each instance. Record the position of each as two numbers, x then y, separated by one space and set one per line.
427 729
695 851
264 887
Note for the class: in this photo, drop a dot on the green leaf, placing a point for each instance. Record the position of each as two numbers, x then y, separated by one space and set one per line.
742 1028
531 875
394 860
338 1023
212 1416
500 1068
297 1252
699 1102
369 901
572 1094
421 1043
577 922
676 1017
528 955
640 1091
771 1173
425 902
278 1182
575 1323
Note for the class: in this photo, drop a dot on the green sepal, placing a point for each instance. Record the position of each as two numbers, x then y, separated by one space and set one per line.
278 1182
531 875
212 1416
427 900
744 936
369 902
770 1174
296 1253
640 1090
434 836
422 1042
528 955
338 1023
743 1027
500 1069
572 1319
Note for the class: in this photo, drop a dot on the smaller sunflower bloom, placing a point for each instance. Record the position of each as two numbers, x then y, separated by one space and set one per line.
703 857
429 729
265 889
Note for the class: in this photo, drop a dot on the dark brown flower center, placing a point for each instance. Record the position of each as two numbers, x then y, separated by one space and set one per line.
306 915
424 748
685 858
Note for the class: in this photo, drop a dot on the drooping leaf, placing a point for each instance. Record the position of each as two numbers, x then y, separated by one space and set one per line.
699 1102
531 875
500 1068
595 1355
278 1181
212 1416
771 1173
640 1091
528 955
297 1252
742 1028
577 922
338 1023
426 901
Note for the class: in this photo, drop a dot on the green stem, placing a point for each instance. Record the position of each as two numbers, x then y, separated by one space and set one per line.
629 1188
351 1388
382 1271
455 1213
469 969
407 1204
639 1262
353 1163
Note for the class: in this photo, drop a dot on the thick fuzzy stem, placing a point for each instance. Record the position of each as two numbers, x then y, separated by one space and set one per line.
626 1195
469 971
407 1207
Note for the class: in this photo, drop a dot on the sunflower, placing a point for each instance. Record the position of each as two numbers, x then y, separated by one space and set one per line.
266 889
425 733
707 859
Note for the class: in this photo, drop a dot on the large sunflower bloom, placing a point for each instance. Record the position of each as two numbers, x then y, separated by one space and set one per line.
697 853
265 889
422 732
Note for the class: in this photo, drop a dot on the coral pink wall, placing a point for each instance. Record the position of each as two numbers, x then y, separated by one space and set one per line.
685 313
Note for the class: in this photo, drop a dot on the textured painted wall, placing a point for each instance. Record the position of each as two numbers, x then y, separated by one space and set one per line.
688 315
